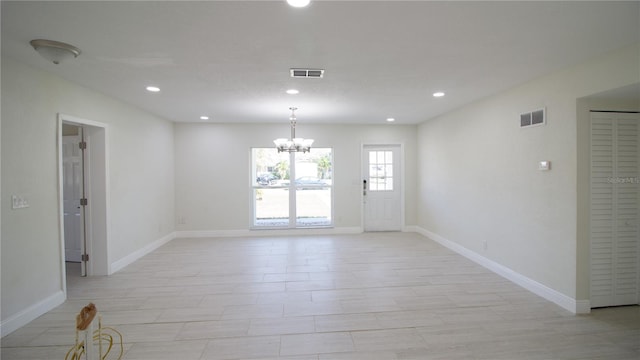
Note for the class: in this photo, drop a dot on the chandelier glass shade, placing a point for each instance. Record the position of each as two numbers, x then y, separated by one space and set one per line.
293 144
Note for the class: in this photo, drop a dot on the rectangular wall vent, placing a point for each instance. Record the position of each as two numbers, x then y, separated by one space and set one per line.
536 117
307 73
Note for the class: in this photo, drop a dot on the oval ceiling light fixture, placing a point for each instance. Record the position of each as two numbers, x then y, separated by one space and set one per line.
204 117
298 3
391 119
54 51
293 92
152 88
438 94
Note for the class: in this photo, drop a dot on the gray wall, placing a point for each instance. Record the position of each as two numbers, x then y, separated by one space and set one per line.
470 176
213 169
141 180
478 179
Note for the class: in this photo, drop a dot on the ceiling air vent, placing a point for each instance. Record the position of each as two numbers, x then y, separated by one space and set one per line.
537 117
307 73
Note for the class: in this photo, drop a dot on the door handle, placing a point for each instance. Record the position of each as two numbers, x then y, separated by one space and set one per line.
364 187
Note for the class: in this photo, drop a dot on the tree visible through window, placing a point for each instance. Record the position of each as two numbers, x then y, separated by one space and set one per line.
280 202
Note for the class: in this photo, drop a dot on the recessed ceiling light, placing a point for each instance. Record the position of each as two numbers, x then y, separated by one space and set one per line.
293 92
438 94
391 119
153 88
298 3
204 117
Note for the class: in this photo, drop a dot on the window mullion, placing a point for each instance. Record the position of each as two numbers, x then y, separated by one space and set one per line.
292 190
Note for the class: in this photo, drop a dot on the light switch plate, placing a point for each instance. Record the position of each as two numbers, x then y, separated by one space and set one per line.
544 165
19 202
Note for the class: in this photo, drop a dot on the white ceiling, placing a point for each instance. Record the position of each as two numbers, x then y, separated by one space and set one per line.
230 60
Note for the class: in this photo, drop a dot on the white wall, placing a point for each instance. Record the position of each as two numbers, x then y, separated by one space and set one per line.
478 178
141 152
213 167
470 176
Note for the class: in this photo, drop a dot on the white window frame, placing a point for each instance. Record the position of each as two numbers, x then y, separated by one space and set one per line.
292 187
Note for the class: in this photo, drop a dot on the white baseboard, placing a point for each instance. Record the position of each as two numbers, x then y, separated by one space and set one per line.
266 232
31 313
129 259
410 228
560 299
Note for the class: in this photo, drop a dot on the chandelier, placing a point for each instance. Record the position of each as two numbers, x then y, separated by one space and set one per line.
293 144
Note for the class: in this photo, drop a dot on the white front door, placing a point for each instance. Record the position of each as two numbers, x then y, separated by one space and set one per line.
381 188
72 190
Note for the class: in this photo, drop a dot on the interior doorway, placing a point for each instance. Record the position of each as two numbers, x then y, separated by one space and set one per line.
73 190
84 207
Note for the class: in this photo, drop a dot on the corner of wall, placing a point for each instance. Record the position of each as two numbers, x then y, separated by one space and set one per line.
131 258
562 300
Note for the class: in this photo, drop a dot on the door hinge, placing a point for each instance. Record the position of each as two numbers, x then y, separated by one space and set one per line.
84 202
85 257
83 145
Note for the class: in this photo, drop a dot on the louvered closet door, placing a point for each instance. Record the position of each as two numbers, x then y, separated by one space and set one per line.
615 242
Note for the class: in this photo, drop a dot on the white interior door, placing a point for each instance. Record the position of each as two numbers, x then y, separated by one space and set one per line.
615 179
72 191
95 227
382 195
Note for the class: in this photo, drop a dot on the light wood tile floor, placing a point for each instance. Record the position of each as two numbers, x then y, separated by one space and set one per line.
370 296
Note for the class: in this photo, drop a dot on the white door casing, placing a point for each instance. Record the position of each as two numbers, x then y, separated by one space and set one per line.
96 191
615 209
382 187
